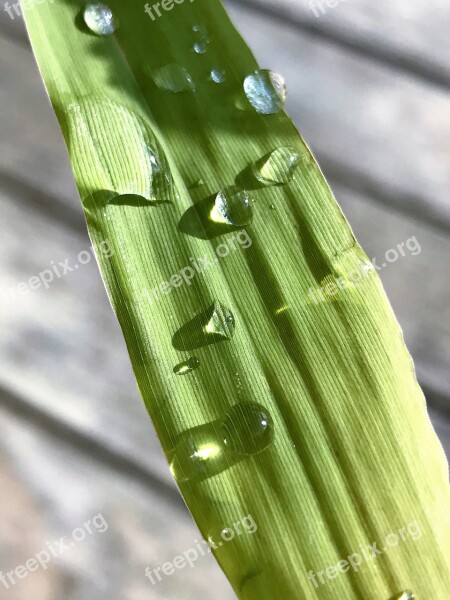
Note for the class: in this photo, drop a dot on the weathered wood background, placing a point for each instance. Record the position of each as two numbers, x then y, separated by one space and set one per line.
369 89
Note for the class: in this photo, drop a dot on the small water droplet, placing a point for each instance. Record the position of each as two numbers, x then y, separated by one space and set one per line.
406 595
218 75
221 323
187 366
173 78
247 428
278 167
202 41
201 46
196 184
232 207
272 207
100 19
210 326
266 91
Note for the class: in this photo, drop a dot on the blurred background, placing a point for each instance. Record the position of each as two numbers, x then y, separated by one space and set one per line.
368 87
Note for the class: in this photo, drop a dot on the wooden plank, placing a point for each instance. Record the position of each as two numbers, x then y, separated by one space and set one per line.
393 132
49 488
410 36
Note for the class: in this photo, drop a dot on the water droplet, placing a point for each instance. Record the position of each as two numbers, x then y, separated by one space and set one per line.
187 366
201 46
266 91
210 326
247 428
173 78
221 323
162 179
278 167
154 160
144 168
406 595
218 75
100 19
211 448
198 454
196 184
232 207
202 39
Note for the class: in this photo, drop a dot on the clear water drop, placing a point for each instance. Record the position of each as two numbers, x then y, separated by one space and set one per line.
198 28
196 184
187 366
406 595
198 454
221 323
218 75
211 326
266 91
278 167
201 46
232 207
247 429
100 19
173 78
154 159
162 180
209 449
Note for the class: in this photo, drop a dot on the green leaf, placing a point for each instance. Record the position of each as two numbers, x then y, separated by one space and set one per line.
267 354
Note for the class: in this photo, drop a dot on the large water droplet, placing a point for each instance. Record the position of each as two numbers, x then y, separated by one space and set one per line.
144 168
218 75
210 449
100 19
278 167
406 595
266 91
247 428
173 78
232 207
198 454
221 323
187 366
